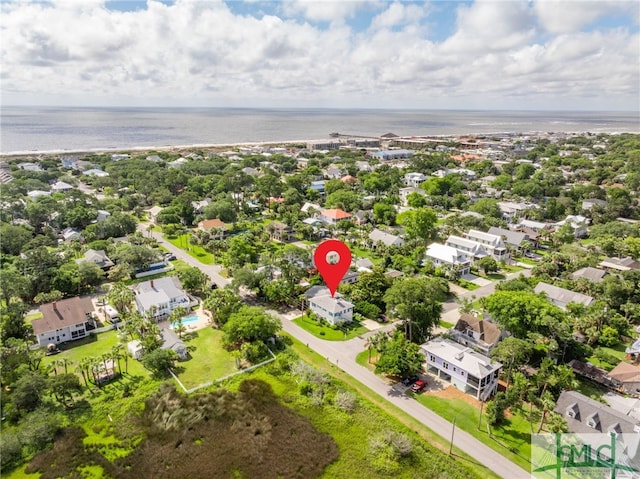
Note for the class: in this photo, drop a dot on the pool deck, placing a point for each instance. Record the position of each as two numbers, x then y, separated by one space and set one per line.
200 323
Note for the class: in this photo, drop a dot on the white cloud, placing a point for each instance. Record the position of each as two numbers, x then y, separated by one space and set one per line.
400 14
324 10
202 53
570 16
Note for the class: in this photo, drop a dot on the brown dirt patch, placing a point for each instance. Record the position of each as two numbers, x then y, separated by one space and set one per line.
451 392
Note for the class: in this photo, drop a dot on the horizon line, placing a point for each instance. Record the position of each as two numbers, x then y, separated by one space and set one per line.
160 107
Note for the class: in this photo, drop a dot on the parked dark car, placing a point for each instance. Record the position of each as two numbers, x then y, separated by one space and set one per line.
170 257
410 380
418 386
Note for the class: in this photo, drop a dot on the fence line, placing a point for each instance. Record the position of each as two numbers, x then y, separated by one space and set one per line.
223 378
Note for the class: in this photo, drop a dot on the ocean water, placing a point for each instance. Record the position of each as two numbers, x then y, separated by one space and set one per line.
39 129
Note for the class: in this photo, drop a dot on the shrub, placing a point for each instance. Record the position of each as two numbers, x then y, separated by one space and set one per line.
345 400
10 449
39 429
495 409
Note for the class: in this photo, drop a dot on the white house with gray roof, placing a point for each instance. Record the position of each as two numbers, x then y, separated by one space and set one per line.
493 244
466 369
379 236
561 297
334 310
515 239
441 255
160 297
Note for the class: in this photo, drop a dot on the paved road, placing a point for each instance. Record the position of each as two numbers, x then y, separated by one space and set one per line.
343 355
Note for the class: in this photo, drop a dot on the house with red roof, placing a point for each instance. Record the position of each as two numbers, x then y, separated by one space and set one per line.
333 216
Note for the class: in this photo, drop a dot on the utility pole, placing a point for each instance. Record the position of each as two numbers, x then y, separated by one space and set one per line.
480 419
453 430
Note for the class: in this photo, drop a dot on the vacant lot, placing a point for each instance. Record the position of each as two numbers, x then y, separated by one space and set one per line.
208 359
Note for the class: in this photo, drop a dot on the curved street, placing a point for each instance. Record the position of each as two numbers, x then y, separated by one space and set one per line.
343 355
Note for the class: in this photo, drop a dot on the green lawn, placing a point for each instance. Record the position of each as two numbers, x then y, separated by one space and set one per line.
365 253
328 333
494 276
528 261
363 359
30 317
590 389
467 285
193 250
444 324
93 346
209 360
509 268
512 440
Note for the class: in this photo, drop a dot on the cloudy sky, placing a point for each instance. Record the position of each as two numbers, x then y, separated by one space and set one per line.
507 54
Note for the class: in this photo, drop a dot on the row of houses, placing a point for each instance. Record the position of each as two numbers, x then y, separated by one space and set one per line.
73 318
459 253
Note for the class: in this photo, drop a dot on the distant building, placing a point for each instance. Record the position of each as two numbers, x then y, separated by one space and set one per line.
153 213
578 224
589 203
414 179
95 172
61 187
627 377
387 239
279 231
592 274
319 145
515 239
620 264
98 257
333 216
71 234
405 192
561 297
388 155
477 333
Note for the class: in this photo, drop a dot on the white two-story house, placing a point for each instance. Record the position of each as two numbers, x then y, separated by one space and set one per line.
159 297
464 368
63 321
334 310
443 255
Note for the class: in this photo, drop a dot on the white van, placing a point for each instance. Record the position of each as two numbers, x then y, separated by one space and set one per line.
111 313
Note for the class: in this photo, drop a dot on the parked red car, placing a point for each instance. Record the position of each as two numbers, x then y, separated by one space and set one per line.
418 386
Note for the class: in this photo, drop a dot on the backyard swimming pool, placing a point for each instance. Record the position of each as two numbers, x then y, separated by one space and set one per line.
186 321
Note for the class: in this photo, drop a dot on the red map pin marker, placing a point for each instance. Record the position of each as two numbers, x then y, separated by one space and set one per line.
333 269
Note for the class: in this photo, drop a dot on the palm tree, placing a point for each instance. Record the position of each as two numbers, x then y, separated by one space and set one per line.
116 355
93 364
121 296
547 402
369 345
83 367
66 363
